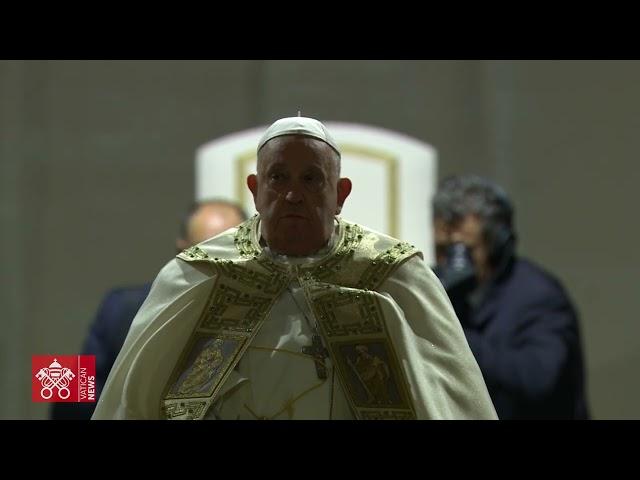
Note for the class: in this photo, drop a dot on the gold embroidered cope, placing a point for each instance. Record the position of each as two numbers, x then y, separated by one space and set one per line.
339 291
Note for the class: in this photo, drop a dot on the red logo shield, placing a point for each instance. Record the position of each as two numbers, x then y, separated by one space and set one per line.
63 378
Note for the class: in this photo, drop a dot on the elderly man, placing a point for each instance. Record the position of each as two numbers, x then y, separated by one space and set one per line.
309 316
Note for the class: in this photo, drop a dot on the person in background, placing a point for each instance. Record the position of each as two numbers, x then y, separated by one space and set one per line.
202 221
518 318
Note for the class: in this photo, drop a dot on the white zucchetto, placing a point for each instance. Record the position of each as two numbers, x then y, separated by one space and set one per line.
309 127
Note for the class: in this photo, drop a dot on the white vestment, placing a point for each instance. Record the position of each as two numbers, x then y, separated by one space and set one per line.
272 379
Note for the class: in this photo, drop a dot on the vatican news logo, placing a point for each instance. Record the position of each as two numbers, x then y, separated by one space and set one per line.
63 378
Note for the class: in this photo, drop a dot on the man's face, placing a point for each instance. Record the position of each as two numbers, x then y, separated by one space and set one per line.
297 193
468 231
208 221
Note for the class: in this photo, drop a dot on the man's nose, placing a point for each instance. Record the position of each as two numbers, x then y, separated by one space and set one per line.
456 237
293 195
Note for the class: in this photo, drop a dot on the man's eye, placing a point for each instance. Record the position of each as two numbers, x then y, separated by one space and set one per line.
314 178
275 177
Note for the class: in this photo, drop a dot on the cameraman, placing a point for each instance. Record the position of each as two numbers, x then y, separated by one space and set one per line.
519 321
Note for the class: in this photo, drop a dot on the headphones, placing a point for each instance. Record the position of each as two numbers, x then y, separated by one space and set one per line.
499 231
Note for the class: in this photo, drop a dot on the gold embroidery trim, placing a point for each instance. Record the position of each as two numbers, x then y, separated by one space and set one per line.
247 288
237 306
193 254
374 381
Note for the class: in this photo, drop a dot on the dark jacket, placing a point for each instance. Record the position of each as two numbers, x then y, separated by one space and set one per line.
105 339
525 336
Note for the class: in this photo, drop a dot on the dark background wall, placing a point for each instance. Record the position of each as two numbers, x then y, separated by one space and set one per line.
96 168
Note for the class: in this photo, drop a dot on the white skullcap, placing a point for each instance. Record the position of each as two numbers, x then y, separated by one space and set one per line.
308 127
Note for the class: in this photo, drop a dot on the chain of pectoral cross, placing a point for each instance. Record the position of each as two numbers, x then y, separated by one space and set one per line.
316 349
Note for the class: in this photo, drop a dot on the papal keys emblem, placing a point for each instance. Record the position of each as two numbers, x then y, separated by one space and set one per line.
56 376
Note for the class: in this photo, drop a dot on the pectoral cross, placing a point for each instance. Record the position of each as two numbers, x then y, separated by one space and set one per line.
319 353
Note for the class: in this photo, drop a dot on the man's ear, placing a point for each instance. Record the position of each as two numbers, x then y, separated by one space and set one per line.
344 189
252 183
